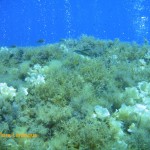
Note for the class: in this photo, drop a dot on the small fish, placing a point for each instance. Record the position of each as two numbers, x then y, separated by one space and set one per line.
62 40
40 41
83 52
12 46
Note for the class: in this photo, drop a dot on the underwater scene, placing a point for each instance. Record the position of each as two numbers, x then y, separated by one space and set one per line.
74 75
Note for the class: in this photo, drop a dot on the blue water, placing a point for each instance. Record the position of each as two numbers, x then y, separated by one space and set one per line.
23 22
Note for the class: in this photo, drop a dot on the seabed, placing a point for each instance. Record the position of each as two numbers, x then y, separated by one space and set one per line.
78 94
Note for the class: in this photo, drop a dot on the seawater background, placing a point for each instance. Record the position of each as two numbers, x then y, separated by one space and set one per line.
23 22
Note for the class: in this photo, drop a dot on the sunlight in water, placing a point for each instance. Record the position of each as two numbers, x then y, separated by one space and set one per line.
53 18
140 20
68 25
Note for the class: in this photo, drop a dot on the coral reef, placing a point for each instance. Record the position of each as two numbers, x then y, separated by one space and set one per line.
78 94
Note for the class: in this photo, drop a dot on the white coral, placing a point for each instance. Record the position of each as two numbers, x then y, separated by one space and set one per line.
36 75
7 92
101 112
4 49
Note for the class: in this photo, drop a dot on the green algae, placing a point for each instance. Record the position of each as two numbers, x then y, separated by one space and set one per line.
58 86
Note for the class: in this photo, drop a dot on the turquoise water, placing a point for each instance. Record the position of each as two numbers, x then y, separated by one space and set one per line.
74 75
25 22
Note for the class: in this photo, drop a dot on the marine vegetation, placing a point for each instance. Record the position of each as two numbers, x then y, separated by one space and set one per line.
78 94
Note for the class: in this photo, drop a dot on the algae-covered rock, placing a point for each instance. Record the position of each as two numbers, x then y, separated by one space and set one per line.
85 93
